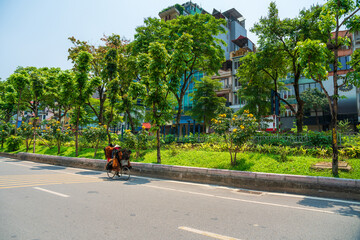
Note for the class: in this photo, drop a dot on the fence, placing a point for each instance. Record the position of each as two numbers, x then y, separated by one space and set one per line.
303 139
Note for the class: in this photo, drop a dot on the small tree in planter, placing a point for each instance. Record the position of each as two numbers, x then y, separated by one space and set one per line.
54 132
27 133
95 135
235 129
139 141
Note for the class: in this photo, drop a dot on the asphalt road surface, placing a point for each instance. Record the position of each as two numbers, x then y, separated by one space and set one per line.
40 201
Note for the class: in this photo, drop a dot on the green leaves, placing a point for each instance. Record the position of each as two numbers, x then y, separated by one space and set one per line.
206 102
314 59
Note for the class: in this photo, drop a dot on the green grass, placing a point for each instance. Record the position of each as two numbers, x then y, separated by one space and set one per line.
64 151
248 161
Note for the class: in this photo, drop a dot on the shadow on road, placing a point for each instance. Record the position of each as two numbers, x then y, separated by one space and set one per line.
89 173
48 168
136 181
342 208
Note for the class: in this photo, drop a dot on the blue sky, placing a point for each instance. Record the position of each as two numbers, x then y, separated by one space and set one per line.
35 32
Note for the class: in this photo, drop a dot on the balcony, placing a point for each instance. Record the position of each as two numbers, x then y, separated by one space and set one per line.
227 86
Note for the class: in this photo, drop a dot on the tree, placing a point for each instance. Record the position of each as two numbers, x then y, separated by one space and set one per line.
60 89
33 94
157 73
205 100
259 73
314 99
120 69
8 101
283 35
20 82
315 57
96 66
84 89
206 54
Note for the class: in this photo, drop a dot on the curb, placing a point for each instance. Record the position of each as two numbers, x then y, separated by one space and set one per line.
298 184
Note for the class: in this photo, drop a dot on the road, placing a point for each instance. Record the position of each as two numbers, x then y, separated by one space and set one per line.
40 201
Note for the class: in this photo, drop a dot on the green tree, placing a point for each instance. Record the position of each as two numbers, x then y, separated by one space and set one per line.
205 100
84 89
314 100
120 69
206 54
33 94
8 101
60 89
20 82
258 74
159 79
315 57
283 36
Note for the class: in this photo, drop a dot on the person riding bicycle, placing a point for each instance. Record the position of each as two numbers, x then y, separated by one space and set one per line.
108 152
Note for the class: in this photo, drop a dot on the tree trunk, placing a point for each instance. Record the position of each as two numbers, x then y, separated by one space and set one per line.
77 133
335 155
300 103
204 125
335 147
317 120
34 125
131 121
27 145
158 145
58 147
96 147
17 114
2 143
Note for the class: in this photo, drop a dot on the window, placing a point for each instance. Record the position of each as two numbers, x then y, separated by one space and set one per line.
342 60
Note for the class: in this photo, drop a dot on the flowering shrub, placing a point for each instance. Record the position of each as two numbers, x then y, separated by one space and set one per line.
95 135
5 131
137 142
235 129
26 131
56 134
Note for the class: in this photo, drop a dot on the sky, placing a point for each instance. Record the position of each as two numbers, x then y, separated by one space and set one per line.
35 32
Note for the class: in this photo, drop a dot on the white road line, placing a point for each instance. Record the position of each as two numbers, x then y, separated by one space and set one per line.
208 234
52 192
243 200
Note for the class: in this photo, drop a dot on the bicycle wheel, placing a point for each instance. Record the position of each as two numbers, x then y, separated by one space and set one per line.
125 172
111 173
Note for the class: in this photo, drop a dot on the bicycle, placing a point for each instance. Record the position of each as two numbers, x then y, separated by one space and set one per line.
124 170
